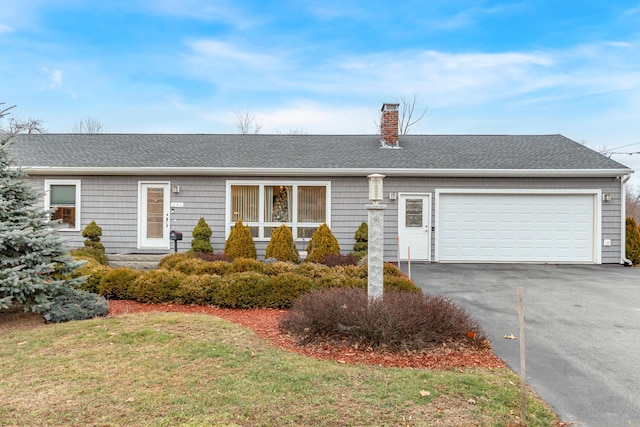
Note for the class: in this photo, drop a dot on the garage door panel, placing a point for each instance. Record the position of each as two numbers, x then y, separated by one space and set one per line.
516 227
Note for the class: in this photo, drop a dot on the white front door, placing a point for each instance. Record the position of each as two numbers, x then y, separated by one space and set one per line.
153 215
414 227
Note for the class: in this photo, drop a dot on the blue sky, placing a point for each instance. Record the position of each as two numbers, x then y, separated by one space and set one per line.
486 67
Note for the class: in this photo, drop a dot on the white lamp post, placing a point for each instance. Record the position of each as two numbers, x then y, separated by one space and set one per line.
376 237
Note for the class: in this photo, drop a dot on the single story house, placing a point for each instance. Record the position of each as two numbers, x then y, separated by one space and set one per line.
449 198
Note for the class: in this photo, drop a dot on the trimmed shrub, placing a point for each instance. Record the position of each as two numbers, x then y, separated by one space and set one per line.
219 268
76 304
240 243
281 245
118 282
189 266
92 233
284 289
398 322
170 261
157 286
311 270
361 246
198 290
241 265
389 269
90 254
399 284
93 271
243 290
322 243
201 241
339 279
278 267
632 241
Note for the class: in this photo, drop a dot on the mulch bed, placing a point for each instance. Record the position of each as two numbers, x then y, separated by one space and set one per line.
265 323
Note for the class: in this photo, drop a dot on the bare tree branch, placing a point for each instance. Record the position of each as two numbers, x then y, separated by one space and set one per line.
88 125
246 122
16 126
408 109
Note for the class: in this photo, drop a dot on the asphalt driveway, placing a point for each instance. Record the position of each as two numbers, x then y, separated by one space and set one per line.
582 330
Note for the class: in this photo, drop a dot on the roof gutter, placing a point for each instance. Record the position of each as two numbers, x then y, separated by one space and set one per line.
389 172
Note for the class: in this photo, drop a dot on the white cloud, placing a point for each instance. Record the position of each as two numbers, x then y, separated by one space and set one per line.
205 10
5 28
54 78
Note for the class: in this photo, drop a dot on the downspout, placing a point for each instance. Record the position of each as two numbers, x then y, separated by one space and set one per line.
623 260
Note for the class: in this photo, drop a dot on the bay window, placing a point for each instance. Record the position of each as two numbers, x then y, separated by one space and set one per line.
264 206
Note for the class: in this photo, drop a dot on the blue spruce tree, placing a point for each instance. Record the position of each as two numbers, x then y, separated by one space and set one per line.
34 263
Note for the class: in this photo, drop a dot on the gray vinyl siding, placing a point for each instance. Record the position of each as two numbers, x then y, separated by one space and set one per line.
112 201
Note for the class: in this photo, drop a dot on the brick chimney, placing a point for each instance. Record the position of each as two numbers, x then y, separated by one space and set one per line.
389 125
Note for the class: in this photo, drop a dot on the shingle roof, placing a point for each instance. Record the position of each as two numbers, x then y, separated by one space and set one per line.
308 152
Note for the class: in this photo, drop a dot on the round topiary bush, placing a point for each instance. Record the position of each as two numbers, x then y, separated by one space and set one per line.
281 245
322 243
240 243
117 283
362 240
92 233
202 237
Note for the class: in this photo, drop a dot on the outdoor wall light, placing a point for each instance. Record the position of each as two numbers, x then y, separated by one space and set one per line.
375 187
606 197
175 189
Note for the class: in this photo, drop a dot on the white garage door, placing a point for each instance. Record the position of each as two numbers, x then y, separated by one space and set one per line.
516 228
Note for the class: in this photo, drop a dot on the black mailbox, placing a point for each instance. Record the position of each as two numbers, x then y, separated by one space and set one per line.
175 235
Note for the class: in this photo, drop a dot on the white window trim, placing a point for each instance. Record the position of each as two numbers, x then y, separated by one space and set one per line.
47 198
229 221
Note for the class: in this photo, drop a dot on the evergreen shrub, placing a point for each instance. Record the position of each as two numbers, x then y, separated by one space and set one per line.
199 289
278 267
219 268
311 270
284 289
93 271
282 246
361 246
170 261
92 233
157 286
76 304
88 253
632 241
332 260
243 290
241 265
117 283
322 243
240 243
201 241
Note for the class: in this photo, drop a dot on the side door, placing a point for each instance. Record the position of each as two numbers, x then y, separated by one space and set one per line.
414 226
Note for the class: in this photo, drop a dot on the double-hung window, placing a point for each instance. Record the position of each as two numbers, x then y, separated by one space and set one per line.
266 205
62 197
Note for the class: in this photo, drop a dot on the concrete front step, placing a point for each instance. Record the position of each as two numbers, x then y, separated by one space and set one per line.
135 261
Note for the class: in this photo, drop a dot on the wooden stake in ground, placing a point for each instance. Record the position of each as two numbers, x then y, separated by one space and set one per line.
523 374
